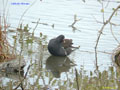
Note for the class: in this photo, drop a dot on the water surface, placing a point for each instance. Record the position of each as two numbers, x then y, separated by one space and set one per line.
60 13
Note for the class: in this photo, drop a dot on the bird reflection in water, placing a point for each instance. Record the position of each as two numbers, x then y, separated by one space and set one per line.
57 65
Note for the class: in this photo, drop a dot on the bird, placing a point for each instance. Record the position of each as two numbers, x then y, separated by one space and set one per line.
117 58
60 46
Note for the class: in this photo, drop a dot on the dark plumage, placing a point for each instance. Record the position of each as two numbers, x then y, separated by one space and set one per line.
60 46
117 58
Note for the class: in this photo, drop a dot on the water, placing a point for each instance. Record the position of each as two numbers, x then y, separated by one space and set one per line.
61 14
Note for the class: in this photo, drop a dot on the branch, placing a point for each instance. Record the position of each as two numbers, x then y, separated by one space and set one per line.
75 21
23 78
101 30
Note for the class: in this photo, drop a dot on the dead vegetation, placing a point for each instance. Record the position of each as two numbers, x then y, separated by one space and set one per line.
6 52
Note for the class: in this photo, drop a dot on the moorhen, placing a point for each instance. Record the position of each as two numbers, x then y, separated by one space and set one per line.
60 46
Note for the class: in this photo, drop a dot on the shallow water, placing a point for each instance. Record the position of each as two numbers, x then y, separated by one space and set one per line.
61 14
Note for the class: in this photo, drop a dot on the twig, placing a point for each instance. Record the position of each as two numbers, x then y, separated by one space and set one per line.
103 13
46 24
101 30
75 21
41 23
107 4
114 24
97 51
20 64
23 78
26 11
97 20
22 86
113 34
76 74
36 25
